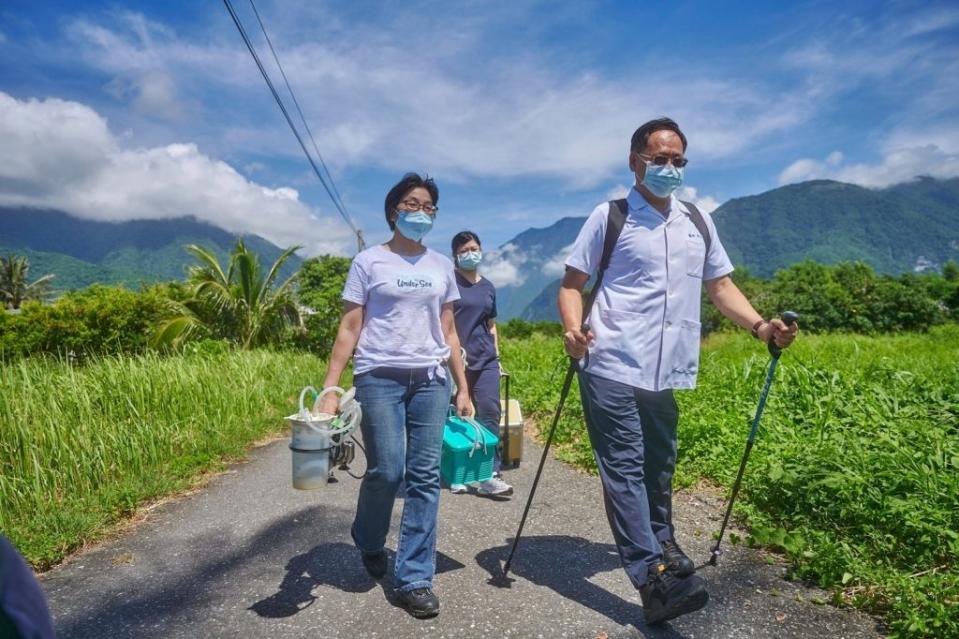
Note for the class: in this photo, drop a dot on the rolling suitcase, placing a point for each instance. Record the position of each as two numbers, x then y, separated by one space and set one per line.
511 429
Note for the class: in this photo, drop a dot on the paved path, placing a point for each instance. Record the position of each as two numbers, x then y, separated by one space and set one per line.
250 557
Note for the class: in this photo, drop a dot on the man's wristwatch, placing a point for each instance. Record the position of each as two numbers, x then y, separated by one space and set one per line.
756 327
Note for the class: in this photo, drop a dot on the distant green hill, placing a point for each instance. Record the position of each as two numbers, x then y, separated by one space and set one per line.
908 227
543 308
82 252
537 246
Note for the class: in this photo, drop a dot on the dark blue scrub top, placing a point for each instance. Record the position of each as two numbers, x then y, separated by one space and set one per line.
23 608
472 312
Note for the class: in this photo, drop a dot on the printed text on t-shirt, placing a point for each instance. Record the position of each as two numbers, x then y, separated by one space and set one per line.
414 282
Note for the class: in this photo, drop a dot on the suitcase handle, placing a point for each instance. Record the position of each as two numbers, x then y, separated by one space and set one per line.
503 374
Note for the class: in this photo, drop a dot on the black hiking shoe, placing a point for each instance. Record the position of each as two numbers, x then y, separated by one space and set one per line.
676 560
667 596
375 563
420 602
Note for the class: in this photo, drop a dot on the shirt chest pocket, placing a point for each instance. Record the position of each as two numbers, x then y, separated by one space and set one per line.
695 256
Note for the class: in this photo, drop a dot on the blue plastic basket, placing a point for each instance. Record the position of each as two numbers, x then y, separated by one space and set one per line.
468 450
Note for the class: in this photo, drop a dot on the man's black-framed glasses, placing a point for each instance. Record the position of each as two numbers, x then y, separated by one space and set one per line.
416 205
660 160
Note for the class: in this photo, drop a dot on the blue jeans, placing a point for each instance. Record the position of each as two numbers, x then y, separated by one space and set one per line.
484 391
633 433
403 416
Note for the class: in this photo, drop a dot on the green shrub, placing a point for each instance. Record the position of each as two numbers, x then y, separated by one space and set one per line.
93 321
520 329
846 297
320 284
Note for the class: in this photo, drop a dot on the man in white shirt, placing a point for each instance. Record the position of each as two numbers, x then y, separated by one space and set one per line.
642 342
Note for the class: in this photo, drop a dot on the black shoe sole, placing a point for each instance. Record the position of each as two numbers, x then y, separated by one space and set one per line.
691 604
423 614
506 494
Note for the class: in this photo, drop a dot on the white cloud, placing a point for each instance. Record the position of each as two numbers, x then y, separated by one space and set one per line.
254 167
618 192
802 170
904 156
945 138
883 55
518 114
556 266
835 158
61 154
935 20
504 267
152 93
525 111
705 203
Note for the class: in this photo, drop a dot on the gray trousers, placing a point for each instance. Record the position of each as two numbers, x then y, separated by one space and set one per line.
633 433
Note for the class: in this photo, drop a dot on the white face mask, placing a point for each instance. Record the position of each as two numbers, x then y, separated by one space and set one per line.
413 224
662 179
469 260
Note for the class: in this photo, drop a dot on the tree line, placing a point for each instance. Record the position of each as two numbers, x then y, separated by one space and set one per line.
243 305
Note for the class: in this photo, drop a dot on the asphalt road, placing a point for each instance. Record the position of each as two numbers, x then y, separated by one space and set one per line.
248 556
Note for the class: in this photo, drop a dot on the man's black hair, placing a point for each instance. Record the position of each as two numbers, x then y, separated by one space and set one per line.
409 182
462 238
641 136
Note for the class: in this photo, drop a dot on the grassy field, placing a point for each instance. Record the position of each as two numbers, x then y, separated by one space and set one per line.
81 447
855 475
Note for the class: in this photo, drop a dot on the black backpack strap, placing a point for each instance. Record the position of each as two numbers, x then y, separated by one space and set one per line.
614 226
700 223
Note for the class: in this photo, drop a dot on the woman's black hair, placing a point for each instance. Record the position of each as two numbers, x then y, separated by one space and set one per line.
409 182
462 238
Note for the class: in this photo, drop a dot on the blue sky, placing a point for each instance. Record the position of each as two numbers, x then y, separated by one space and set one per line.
521 110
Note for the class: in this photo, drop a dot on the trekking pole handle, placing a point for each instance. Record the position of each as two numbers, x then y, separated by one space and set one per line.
789 318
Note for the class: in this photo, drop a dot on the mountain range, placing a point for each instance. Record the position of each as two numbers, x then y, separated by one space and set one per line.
908 227
81 252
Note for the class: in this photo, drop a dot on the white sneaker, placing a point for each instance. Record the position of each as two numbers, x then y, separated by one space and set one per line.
458 489
495 487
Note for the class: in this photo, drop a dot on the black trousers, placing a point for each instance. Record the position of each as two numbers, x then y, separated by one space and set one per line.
633 433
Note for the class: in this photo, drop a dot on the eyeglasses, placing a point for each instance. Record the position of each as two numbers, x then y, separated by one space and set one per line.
660 160
416 205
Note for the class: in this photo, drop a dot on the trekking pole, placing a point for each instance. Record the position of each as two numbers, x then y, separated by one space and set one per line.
567 383
789 317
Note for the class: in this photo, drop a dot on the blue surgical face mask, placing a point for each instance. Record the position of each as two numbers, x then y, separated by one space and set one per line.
414 225
662 179
470 260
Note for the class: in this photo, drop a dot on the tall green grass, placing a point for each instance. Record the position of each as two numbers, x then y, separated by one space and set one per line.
81 447
855 475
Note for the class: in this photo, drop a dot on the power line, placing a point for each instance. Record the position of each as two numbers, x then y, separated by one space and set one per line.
276 96
296 103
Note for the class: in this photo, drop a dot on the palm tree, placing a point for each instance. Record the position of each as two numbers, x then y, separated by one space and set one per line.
240 305
14 289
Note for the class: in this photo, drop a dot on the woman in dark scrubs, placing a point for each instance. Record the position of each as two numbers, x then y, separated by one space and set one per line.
475 317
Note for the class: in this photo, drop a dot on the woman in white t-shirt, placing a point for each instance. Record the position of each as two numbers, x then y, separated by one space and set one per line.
398 316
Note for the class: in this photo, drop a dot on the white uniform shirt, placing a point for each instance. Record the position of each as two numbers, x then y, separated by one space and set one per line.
402 298
646 316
